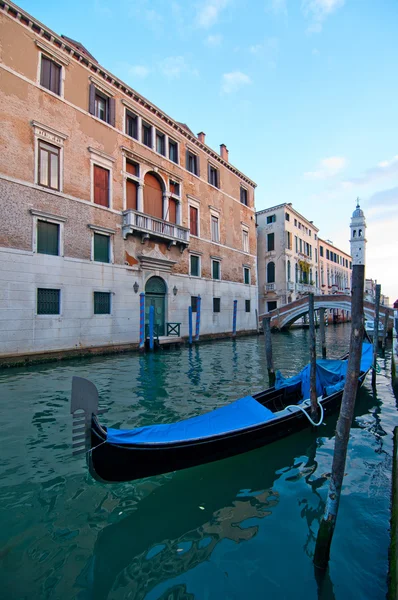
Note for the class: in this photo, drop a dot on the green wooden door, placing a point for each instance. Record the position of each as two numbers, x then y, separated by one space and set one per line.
155 295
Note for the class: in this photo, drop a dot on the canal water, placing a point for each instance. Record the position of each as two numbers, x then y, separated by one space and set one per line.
242 528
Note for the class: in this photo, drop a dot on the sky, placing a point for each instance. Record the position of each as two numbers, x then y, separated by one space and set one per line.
302 92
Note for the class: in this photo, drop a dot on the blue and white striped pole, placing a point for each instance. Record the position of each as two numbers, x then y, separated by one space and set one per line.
142 321
234 318
198 319
151 326
190 324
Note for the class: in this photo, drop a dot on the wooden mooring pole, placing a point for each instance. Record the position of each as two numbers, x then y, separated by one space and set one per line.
322 330
385 332
268 349
313 394
328 522
376 333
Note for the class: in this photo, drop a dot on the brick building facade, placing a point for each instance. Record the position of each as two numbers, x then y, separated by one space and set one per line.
102 197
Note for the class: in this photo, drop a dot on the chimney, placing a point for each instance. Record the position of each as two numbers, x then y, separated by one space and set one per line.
202 137
224 152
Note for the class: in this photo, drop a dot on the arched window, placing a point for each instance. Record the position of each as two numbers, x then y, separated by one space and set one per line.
271 272
354 233
288 270
297 275
153 196
360 233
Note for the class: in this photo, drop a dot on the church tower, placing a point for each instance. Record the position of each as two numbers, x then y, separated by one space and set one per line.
358 239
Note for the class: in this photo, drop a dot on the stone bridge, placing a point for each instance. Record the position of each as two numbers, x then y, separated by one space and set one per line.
283 317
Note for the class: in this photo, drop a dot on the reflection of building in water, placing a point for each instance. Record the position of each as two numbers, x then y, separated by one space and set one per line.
171 557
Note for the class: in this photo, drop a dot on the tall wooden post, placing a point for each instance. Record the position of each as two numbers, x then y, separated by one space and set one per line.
198 310
385 332
376 333
190 325
151 326
235 310
142 321
322 330
328 522
268 349
313 394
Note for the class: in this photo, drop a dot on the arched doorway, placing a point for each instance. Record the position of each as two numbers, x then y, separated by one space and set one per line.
155 295
153 196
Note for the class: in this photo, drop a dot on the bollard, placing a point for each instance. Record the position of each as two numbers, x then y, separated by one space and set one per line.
234 318
322 330
142 321
190 324
376 333
268 349
385 329
151 326
197 329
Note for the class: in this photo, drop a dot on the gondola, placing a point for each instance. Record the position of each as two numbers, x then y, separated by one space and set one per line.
116 455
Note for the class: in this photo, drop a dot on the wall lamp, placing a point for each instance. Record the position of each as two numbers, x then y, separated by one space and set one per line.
136 287
175 290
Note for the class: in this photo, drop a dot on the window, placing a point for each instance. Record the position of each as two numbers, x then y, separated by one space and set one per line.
101 248
301 245
288 240
296 240
295 222
316 255
193 220
48 164
215 236
270 242
287 217
288 270
194 304
243 196
192 163
160 143
101 105
101 186
327 254
321 250
102 303
194 265
245 235
147 134
47 238
50 75
213 176
216 305
271 305
246 275
247 305
173 151
271 272
174 188
48 301
309 232
133 168
131 125
315 236
271 219
215 269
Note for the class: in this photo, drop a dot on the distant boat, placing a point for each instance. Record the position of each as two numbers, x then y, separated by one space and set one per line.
115 455
370 328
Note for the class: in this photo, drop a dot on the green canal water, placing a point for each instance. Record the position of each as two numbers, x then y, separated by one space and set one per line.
242 528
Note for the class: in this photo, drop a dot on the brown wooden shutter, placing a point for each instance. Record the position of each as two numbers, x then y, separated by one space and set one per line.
91 104
55 78
131 168
153 196
193 220
101 186
131 195
112 112
172 211
45 72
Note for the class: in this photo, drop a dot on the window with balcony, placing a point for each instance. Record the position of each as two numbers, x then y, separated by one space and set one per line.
49 165
194 265
160 143
216 269
131 124
173 151
50 75
153 196
213 175
192 162
271 272
215 229
101 186
48 301
194 220
146 134
243 196
48 238
271 219
132 169
216 305
102 303
270 242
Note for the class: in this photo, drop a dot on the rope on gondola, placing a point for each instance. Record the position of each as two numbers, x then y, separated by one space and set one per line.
307 415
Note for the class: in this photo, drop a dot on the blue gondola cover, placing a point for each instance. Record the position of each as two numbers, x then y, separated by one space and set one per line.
238 415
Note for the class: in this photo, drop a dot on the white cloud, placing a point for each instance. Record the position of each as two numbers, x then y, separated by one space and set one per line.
317 12
267 49
232 82
213 40
209 11
173 67
139 71
384 169
328 167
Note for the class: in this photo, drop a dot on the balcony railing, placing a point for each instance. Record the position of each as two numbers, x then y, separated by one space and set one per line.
290 286
305 288
269 287
135 222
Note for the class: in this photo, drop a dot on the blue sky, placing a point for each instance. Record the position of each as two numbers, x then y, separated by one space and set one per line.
302 92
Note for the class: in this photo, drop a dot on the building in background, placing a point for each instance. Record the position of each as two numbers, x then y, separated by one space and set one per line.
370 293
102 197
287 245
335 271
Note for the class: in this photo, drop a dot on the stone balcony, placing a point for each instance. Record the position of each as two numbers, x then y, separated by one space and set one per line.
269 287
137 223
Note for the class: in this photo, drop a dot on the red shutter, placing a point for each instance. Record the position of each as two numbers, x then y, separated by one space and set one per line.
172 211
153 197
131 195
193 220
101 186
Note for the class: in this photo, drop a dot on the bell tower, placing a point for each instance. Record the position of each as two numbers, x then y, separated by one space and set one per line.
358 239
